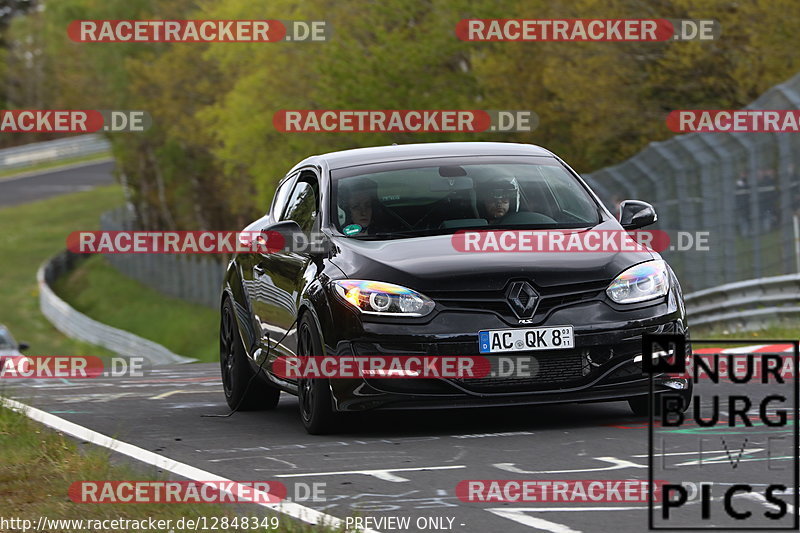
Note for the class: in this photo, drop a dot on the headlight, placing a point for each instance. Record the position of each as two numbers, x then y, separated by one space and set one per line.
378 298
645 281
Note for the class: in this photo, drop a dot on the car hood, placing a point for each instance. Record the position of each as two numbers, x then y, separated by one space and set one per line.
433 264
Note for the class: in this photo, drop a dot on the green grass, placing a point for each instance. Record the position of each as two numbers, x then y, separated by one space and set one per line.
30 234
99 290
14 172
38 465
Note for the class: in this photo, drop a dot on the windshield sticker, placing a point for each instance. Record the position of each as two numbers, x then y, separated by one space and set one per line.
352 229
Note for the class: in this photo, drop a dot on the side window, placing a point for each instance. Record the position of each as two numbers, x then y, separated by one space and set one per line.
279 201
302 205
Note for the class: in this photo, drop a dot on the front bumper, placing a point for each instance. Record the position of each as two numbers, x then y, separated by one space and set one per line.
601 367
598 393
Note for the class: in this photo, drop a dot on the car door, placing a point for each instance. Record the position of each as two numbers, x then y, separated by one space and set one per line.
279 277
249 261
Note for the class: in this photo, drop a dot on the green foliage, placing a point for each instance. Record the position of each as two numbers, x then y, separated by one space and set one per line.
213 157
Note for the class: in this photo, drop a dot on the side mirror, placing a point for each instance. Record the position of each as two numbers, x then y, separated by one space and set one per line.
284 227
634 214
23 346
289 236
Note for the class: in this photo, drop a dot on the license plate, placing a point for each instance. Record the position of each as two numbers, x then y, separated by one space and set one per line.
524 340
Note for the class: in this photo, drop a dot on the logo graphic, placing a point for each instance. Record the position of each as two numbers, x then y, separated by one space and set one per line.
522 298
663 353
723 434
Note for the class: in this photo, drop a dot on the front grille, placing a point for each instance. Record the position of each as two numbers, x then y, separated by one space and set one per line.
496 301
554 370
550 370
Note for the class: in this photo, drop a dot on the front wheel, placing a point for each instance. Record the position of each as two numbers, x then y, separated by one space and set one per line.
316 402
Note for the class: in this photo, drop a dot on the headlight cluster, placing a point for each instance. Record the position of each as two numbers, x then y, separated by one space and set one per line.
378 298
645 281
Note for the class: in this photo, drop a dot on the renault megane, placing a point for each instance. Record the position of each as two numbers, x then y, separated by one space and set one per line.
390 280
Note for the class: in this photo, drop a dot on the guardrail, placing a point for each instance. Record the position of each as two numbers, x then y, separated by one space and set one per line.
76 325
745 305
47 151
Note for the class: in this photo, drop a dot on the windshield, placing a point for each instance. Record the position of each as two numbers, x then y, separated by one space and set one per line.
409 200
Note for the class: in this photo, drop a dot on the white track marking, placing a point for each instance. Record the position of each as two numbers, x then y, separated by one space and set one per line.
760 498
384 473
746 349
617 464
179 391
705 452
722 460
287 463
294 510
519 516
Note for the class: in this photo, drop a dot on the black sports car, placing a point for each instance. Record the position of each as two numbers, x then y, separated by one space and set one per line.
388 279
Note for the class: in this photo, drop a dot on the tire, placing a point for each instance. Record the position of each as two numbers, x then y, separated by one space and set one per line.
243 391
640 404
314 395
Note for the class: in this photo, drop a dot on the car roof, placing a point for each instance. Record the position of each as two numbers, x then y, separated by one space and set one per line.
400 152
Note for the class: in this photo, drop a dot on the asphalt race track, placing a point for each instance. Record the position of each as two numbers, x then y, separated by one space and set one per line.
407 464
54 182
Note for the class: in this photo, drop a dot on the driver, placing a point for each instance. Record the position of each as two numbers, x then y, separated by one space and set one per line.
497 197
361 206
